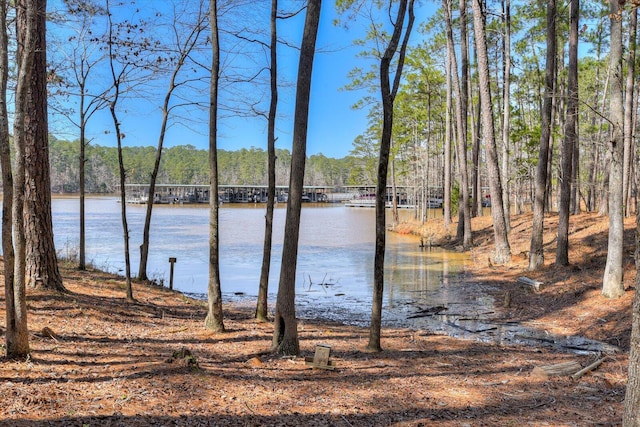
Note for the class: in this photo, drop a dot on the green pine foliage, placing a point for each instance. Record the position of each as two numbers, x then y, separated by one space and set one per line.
185 164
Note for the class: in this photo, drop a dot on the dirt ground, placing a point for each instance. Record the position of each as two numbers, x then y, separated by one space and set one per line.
100 361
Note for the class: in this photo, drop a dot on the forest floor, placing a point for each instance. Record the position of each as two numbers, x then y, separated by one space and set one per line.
99 361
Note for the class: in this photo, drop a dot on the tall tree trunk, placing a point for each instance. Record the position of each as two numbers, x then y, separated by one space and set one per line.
506 113
214 320
117 82
463 138
596 120
536 250
502 252
81 178
629 113
464 223
394 194
612 285
575 176
602 191
388 92
631 416
261 308
17 334
447 145
7 184
570 139
41 260
285 334
183 50
476 177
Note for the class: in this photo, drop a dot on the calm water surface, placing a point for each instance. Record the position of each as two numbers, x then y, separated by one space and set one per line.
336 248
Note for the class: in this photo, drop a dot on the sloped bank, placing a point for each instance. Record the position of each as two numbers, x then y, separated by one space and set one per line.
569 301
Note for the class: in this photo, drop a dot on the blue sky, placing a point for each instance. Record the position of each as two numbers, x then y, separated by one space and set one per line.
333 124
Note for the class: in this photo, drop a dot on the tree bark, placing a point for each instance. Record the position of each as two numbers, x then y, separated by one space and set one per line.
460 90
570 139
502 250
117 82
261 308
81 178
631 416
629 113
41 260
214 320
285 334
182 50
476 178
464 95
506 113
447 144
7 183
536 249
388 92
17 336
612 285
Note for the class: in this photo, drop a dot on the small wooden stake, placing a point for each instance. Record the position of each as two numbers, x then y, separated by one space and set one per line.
172 261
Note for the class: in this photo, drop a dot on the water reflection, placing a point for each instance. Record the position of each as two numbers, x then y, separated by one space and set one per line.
424 288
336 247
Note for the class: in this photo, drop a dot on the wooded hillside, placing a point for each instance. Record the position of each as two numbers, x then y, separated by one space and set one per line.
185 164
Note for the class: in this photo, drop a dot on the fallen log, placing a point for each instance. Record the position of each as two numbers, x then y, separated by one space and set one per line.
564 368
589 368
536 285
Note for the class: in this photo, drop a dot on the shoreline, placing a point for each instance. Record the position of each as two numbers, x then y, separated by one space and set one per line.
98 360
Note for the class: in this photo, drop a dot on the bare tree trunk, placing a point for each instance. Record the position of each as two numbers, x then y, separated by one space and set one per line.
476 177
506 113
460 90
575 176
502 252
612 285
183 50
536 250
17 338
117 81
570 139
41 260
447 146
394 201
601 192
82 162
261 308
631 416
464 95
285 334
388 93
7 186
629 113
593 155
215 319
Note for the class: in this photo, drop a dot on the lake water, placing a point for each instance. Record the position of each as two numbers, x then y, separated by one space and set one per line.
336 248
424 289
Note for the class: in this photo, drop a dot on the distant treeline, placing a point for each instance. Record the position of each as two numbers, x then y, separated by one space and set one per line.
185 164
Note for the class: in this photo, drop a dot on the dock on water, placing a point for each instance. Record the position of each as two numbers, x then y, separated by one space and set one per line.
351 196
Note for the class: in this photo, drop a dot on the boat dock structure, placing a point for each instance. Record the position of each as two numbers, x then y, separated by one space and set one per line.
352 196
